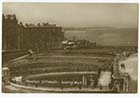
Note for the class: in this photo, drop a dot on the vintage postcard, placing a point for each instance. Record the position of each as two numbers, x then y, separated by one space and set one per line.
69 47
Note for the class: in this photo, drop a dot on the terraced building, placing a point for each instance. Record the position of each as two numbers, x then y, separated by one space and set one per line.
30 36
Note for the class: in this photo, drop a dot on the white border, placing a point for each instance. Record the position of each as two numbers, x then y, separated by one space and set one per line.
69 94
98 1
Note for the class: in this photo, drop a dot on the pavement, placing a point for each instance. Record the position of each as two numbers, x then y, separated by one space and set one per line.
14 88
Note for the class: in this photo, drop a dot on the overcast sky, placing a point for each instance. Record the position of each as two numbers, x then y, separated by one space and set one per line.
75 15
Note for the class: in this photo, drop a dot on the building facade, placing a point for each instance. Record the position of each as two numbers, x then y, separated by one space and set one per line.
9 29
30 36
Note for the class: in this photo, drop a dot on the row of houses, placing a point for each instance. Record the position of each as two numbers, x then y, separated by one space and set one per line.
16 35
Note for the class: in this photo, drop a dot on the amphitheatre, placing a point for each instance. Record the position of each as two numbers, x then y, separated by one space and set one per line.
84 70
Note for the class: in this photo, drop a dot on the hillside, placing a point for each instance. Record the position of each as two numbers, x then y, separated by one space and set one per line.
105 35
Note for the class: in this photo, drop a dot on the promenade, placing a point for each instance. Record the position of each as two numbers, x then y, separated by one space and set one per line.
27 89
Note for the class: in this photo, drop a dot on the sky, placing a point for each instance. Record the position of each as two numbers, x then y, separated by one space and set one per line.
75 14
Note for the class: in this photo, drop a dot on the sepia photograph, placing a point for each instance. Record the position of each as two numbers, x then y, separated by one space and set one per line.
69 47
